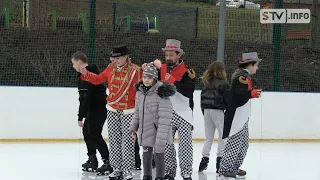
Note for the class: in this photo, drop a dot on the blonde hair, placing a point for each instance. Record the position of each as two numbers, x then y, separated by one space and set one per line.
216 70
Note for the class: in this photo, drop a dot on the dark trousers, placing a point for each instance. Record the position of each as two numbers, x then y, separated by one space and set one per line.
137 154
92 132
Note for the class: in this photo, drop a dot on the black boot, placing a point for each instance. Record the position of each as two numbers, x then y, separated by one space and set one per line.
153 163
147 177
203 164
168 177
106 168
91 165
218 164
159 178
137 156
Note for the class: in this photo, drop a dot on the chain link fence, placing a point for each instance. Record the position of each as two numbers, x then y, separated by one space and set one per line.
38 37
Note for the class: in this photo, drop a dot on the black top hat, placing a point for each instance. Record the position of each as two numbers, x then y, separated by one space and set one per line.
119 51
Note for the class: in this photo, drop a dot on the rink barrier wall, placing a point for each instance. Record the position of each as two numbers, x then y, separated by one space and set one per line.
195 140
49 114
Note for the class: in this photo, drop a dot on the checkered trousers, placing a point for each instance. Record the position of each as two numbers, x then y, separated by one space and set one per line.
185 150
121 142
235 151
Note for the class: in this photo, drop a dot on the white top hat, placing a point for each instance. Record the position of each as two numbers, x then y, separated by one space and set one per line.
173 45
249 57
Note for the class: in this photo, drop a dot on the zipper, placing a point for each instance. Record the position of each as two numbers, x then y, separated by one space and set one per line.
144 99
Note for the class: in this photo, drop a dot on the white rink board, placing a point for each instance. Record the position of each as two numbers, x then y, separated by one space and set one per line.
48 112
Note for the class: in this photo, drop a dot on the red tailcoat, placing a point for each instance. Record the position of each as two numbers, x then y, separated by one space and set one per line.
120 84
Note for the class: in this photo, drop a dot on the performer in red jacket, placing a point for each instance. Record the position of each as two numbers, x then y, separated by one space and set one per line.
121 75
175 71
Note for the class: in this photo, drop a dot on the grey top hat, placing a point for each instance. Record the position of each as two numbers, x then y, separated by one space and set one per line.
249 57
173 45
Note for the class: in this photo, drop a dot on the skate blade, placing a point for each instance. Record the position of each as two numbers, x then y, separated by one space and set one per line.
116 178
103 173
89 170
240 177
225 178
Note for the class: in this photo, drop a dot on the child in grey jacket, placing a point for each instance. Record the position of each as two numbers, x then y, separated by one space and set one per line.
152 120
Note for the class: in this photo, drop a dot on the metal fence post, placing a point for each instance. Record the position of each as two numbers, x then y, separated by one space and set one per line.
114 17
92 33
277 49
221 33
196 22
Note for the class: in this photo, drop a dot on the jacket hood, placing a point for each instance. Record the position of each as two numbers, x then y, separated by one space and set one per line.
166 90
163 89
239 72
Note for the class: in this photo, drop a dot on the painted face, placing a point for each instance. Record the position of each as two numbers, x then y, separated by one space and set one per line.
147 81
76 64
172 57
253 68
120 61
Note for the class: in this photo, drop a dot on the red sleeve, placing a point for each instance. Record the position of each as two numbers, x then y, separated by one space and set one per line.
97 78
254 93
171 79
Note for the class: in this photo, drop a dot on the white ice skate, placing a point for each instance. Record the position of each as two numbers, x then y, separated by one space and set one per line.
128 176
116 175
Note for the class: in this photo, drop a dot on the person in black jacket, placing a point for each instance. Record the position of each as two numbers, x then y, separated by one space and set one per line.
213 104
92 108
236 119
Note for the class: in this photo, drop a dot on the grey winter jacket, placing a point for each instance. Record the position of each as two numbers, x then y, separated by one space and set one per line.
152 116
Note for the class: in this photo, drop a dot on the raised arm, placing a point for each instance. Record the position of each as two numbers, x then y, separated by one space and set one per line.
96 78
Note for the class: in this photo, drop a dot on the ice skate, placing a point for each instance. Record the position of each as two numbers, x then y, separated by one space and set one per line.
116 175
241 174
227 176
168 177
187 177
128 176
137 167
91 165
203 164
148 178
105 169
218 164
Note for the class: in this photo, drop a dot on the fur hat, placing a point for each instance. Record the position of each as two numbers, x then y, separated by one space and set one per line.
150 71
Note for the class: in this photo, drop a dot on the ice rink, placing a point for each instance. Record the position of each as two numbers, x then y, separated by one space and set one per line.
62 161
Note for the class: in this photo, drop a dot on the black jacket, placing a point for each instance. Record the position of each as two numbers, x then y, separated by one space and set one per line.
214 95
239 95
91 97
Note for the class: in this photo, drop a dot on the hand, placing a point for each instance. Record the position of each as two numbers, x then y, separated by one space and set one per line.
157 63
80 123
83 70
167 76
133 135
259 92
143 66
